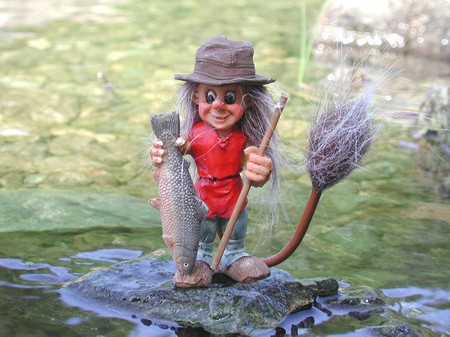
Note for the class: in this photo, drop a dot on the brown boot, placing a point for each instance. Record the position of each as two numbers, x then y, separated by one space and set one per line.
247 269
201 276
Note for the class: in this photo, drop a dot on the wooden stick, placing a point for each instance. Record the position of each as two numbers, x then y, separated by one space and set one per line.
246 188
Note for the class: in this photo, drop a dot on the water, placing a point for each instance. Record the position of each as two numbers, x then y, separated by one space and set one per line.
73 193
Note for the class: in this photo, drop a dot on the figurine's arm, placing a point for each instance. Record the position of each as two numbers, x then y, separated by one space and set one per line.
157 150
258 168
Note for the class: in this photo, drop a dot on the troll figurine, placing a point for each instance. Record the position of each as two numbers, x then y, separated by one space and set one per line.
226 109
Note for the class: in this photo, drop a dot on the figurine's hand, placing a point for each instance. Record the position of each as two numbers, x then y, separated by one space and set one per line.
157 150
258 167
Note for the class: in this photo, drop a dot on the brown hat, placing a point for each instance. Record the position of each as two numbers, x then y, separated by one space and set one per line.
221 61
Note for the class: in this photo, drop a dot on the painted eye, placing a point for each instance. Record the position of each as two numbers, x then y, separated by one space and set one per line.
230 97
211 96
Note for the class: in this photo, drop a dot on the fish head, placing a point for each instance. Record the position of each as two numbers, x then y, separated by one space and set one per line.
184 259
184 265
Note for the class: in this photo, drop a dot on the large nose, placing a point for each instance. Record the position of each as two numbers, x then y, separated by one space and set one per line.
217 104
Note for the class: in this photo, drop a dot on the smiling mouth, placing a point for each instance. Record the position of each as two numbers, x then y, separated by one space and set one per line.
219 118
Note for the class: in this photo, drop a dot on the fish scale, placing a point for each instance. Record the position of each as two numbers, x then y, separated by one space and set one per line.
180 208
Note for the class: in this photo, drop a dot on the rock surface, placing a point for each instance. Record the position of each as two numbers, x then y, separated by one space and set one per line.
142 288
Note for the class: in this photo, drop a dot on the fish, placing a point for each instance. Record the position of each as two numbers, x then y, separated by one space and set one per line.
182 211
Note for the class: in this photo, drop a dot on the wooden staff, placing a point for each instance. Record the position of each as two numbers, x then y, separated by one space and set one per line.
246 188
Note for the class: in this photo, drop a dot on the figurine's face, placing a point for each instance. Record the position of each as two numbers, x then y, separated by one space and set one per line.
220 106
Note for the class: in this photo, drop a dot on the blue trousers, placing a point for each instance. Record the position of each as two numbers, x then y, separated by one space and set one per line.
235 247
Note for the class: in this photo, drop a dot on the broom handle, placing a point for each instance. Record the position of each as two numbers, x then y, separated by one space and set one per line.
300 232
247 184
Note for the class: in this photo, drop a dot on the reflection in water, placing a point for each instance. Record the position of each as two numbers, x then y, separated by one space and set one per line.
109 255
35 287
427 305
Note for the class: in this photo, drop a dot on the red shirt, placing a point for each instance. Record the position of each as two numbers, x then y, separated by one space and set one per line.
219 162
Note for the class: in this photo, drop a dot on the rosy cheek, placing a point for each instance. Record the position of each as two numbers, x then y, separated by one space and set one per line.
237 110
203 109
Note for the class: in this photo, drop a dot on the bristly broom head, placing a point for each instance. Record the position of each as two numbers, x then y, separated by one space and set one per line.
341 133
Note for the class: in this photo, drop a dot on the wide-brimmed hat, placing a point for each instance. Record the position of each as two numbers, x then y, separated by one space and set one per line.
221 61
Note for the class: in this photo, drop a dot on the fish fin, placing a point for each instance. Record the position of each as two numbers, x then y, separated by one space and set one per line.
202 209
168 241
155 202
166 123
186 163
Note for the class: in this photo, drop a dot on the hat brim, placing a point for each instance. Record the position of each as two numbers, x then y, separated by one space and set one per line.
201 78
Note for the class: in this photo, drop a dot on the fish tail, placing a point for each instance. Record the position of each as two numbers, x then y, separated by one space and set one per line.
166 123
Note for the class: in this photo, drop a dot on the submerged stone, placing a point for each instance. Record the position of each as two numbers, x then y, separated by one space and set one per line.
142 288
61 209
401 330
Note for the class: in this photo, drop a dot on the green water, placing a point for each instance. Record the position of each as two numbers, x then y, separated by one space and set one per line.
73 183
